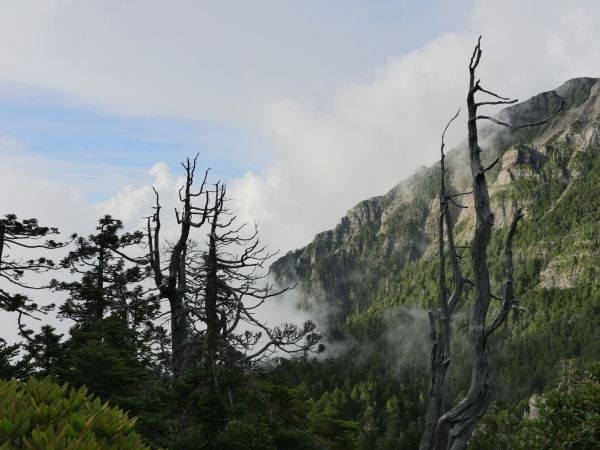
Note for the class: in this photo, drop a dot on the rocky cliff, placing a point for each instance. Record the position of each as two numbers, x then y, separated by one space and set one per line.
552 171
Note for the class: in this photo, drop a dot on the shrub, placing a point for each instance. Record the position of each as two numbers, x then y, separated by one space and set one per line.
41 414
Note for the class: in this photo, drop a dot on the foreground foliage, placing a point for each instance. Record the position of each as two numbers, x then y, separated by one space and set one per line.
566 417
41 414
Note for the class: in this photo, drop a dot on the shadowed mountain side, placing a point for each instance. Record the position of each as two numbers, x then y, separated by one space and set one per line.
367 260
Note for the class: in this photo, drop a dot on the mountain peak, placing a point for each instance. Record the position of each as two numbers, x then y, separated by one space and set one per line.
353 265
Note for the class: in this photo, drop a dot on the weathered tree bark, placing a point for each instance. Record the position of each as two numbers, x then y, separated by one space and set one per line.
211 289
173 284
457 425
439 321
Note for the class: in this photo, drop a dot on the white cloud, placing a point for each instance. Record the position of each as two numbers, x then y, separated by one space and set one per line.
269 67
34 186
133 202
201 59
29 190
375 133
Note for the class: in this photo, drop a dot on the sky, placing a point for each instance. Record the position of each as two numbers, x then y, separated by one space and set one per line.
303 108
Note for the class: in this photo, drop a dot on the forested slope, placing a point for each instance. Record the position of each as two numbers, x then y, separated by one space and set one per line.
375 274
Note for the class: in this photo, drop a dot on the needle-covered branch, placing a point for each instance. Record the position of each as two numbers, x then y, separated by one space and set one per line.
108 284
25 235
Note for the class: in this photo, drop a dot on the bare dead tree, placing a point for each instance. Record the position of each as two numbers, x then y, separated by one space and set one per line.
207 289
439 320
172 285
171 280
456 426
230 284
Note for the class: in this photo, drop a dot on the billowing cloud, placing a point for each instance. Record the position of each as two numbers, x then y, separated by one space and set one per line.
216 61
374 133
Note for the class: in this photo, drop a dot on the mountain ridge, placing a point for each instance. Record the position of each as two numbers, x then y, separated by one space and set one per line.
344 266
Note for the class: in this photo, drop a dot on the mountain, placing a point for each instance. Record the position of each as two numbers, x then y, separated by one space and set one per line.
382 252
381 257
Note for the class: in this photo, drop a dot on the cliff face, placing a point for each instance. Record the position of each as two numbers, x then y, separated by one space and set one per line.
551 171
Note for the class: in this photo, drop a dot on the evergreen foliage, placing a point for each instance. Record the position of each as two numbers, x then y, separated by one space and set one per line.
40 414
567 416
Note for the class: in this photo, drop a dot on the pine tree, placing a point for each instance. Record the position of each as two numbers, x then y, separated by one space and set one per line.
44 350
24 235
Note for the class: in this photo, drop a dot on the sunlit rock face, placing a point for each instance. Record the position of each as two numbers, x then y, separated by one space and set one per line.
547 170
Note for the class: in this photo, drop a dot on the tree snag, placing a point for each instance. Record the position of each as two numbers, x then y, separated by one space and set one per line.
172 282
439 320
456 426
208 289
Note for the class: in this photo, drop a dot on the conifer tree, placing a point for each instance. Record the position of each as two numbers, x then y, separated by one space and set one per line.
106 285
44 350
24 236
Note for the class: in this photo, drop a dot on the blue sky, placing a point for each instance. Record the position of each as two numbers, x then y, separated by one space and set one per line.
96 140
323 44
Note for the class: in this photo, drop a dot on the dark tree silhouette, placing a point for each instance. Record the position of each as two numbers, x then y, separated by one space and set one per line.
106 284
44 350
456 426
206 288
171 281
24 234
228 286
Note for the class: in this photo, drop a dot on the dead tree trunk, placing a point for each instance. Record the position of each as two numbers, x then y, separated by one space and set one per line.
457 425
211 289
2 237
439 321
172 283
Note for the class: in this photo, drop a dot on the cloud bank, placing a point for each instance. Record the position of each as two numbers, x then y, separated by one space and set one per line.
374 133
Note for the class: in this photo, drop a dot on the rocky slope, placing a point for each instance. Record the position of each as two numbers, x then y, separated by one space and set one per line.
552 171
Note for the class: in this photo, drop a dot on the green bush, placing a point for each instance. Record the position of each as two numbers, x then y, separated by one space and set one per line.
41 414
569 418
243 435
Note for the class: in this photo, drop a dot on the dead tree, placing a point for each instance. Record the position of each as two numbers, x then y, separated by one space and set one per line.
172 284
457 425
171 281
227 288
207 288
439 320
230 283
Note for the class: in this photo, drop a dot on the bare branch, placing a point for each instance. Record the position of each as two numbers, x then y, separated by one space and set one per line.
525 125
509 300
